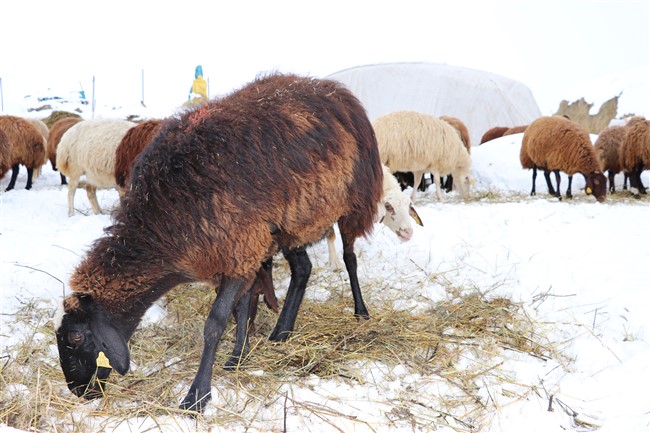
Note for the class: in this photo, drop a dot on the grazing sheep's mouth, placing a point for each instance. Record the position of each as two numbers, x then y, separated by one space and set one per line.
404 235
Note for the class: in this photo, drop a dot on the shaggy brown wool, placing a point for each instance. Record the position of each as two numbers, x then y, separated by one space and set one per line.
27 143
636 145
493 133
136 139
515 130
608 148
5 154
462 130
283 152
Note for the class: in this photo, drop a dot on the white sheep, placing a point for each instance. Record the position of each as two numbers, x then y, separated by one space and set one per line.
395 211
420 143
88 148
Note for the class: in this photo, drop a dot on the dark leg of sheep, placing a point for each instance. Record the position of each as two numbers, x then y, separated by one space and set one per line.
611 175
557 181
350 260
626 177
63 180
532 191
243 317
449 183
300 266
568 190
549 184
227 295
14 176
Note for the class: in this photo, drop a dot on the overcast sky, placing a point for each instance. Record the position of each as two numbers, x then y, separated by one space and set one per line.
561 49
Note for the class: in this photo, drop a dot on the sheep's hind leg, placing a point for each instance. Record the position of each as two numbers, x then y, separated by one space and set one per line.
549 184
557 181
300 266
568 190
532 191
199 393
91 191
72 188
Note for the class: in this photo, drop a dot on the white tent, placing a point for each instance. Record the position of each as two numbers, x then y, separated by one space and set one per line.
480 99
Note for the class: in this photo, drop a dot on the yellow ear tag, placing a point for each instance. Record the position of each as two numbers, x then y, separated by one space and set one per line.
102 361
588 190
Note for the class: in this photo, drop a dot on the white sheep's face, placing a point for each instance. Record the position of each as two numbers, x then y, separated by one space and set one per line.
398 211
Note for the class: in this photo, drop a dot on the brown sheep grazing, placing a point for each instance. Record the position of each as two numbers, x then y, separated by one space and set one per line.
133 142
27 148
608 149
54 137
269 167
558 144
635 151
493 133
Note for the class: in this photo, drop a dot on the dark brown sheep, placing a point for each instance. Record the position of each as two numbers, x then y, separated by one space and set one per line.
635 151
218 192
558 144
133 142
54 137
608 149
27 148
493 133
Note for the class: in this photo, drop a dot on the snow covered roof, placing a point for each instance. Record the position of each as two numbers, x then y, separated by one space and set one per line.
480 99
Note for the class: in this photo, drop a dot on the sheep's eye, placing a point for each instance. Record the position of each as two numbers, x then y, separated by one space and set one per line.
389 207
76 338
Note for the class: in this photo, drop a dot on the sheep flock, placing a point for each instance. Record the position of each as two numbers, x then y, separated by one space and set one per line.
228 153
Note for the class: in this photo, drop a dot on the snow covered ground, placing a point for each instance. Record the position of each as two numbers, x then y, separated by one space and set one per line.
579 265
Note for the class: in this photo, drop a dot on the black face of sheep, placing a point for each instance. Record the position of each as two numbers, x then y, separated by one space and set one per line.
89 348
596 184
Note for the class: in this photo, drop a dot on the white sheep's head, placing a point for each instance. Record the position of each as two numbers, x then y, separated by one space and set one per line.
396 214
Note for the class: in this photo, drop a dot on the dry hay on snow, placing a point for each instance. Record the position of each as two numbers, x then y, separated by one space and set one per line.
458 342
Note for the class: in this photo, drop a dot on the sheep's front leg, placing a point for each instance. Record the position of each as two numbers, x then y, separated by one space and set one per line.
242 317
350 260
14 175
549 184
72 189
532 191
557 181
568 190
300 266
199 393
417 180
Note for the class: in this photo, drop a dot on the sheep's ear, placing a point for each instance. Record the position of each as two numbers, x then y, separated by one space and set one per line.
415 215
111 344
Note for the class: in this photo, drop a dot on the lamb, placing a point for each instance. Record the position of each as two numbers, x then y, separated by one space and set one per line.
271 166
54 137
419 143
554 143
88 148
395 211
493 133
27 148
608 149
136 139
635 152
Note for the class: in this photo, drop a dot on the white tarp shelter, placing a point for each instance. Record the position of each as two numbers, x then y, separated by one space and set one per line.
480 99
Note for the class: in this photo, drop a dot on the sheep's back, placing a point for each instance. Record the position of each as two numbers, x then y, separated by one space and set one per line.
88 148
411 141
283 152
460 126
133 142
27 143
556 143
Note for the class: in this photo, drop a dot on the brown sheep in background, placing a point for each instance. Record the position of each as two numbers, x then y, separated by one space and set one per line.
27 148
515 130
5 154
608 147
41 126
493 133
558 144
271 166
133 142
54 137
635 151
